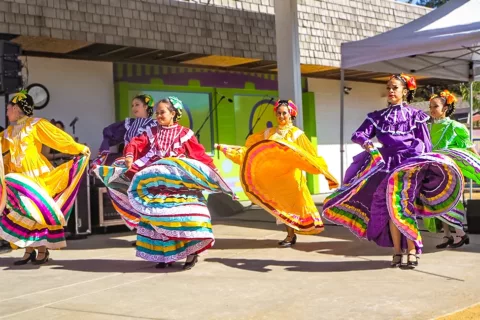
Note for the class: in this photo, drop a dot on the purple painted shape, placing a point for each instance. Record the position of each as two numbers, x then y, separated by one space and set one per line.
209 78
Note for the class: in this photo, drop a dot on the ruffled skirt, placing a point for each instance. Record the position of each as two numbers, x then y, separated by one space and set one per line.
469 164
31 216
379 190
113 177
174 218
272 177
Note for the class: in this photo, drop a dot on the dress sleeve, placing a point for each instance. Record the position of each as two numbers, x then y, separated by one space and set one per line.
113 135
306 145
57 139
421 131
195 150
364 133
237 153
462 137
137 146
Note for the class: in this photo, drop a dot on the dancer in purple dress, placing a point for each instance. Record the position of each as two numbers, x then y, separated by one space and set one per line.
115 134
385 189
123 131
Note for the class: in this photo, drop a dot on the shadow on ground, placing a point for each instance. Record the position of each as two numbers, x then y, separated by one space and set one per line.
300 266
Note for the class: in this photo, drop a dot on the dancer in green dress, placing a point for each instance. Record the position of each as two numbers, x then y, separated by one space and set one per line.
453 139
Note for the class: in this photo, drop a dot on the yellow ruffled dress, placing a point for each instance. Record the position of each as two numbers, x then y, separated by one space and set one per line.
271 168
39 196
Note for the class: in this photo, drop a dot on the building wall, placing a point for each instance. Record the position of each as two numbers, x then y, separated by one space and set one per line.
82 89
363 98
241 28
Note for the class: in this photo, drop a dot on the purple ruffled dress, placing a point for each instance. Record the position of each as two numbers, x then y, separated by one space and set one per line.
403 133
400 181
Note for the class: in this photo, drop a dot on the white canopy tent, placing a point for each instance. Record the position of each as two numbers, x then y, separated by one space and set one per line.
443 44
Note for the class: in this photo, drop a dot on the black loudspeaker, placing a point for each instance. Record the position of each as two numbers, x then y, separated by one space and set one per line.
473 216
222 205
80 225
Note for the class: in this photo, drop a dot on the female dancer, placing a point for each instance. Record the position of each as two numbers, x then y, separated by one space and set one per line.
452 138
36 197
271 165
169 170
115 134
384 190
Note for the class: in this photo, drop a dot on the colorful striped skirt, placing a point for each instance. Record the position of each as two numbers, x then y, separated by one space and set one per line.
427 185
469 164
31 217
174 218
113 177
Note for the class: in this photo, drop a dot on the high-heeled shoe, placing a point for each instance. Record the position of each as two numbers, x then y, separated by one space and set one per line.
44 260
412 264
396 260
288 243
163 265
190 264
31 257
445 244
463 240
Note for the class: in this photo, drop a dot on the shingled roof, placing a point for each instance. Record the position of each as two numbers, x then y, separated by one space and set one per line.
222 33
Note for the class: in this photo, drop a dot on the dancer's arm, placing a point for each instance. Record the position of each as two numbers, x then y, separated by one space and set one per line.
57 139
135 148
113 135
364 134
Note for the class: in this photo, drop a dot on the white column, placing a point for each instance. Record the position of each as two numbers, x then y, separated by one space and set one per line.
288 54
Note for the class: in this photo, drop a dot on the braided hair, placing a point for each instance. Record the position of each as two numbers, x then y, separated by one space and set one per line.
147 100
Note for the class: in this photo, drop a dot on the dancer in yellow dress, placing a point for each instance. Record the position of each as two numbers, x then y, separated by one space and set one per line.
36 198
272 164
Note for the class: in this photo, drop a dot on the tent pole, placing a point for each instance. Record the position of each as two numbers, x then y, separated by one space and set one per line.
471 128
342 117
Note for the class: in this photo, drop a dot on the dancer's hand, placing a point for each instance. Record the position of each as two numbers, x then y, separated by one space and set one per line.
217 146
128 162
86 152
368 146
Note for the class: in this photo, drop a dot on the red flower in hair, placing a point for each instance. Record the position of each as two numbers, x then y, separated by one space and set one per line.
410 81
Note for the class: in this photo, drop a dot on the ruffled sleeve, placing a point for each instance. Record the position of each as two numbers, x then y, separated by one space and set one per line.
113 135
462 137
364 133
421 131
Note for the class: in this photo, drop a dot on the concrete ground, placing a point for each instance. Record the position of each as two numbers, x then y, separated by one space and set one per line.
245 276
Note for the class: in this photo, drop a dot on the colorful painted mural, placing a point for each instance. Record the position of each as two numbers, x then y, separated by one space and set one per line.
237 102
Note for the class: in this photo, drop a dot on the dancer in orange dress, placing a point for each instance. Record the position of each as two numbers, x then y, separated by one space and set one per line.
272 164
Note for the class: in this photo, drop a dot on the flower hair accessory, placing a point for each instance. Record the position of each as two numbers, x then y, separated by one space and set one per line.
178 105
19 96
149 100
409 81
449 97
292 108
24 101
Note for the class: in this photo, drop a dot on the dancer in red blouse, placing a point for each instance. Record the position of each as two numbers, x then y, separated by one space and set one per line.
169 170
